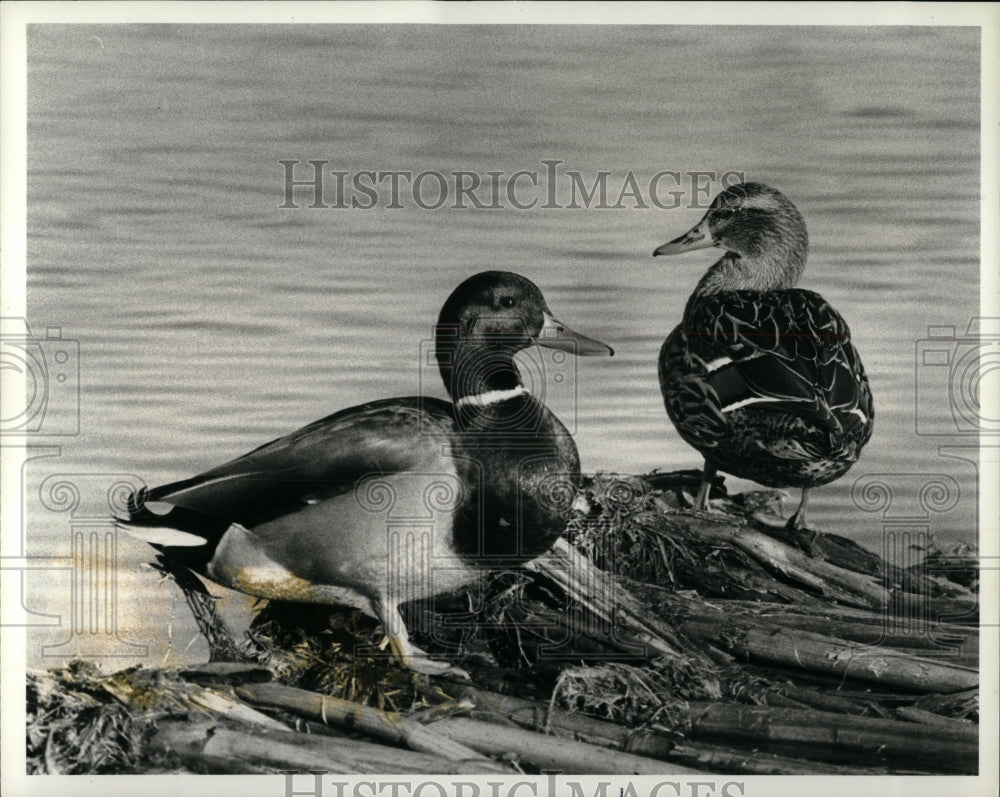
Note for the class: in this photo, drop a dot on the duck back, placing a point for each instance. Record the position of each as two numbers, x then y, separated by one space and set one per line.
768 386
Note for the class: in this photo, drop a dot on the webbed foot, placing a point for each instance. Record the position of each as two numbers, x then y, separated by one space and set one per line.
413 658
790 532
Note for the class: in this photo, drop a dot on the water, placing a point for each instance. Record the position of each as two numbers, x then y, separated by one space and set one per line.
210 320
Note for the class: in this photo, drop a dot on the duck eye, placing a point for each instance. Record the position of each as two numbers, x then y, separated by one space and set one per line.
507 301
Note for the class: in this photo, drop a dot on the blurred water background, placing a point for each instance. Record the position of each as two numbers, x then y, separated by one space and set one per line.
210 319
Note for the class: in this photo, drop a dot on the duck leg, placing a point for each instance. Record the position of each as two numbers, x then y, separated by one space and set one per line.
798 520
794 531
707 476
408 654
803 536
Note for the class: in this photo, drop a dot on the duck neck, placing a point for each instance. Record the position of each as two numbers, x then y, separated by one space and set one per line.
484 383
772 268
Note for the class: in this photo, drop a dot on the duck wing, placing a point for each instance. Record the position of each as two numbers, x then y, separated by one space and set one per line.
314 463
777 352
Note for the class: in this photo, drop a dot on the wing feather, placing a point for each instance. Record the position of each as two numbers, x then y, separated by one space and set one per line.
780 351
318 461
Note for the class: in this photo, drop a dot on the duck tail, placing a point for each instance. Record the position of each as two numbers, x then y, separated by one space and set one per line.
181 534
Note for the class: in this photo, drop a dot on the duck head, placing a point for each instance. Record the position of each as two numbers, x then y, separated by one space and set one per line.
762 232
489 318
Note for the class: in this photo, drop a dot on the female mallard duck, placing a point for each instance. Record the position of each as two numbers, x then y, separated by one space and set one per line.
485 480
760 376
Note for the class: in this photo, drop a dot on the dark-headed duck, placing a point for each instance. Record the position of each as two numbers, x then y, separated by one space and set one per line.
484 481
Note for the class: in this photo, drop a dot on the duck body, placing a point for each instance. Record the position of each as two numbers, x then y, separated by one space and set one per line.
760 376
278 508
768 387
398 499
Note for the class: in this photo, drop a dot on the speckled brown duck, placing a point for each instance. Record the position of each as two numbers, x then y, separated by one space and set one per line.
761 376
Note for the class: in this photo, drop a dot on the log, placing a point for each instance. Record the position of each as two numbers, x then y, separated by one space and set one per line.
826 701
781 700
872 628
486 738
497 708
550 752
602 595
217 748
948 645
957 658
206 748
807 651
221 705
542 717
226 672
834 582
386 725
746 578
958 705
742 585
930 639
922 717
862 590
138 690
816 734
830 610
956 646
729 761
847 554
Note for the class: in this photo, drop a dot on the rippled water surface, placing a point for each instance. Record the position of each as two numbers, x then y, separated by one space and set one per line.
211 320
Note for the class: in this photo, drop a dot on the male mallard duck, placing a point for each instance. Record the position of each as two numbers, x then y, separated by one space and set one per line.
305 517
760 376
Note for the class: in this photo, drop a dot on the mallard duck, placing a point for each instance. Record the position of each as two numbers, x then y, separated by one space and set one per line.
761 377
487 479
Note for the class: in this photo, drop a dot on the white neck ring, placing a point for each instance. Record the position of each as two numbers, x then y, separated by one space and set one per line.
491 397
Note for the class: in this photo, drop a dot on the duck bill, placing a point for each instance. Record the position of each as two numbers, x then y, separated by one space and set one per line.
698 237
554 334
